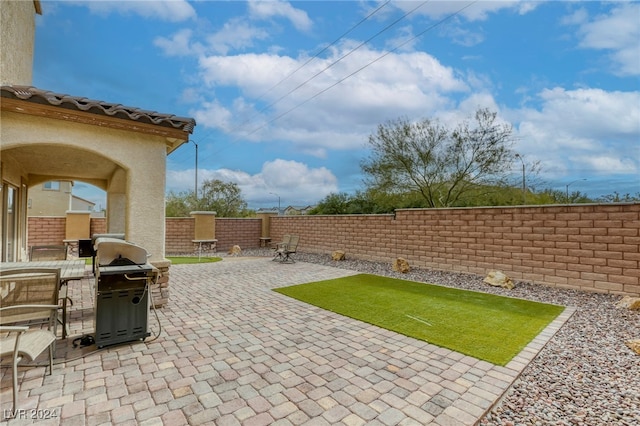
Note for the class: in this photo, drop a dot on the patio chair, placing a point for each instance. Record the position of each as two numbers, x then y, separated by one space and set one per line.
54 252
279 247
20 343
48 252
289 249
29 296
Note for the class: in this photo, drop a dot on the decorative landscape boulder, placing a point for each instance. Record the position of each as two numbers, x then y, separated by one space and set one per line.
499 279
634 345
401 265
338 255
628 302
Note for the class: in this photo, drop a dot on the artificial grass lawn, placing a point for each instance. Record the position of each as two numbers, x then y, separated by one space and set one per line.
485 326
181 260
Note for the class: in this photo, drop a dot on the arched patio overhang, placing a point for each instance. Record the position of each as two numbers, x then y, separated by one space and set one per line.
45 162
47 136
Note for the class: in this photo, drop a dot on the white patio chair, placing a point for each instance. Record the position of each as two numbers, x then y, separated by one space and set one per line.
28 296
19 343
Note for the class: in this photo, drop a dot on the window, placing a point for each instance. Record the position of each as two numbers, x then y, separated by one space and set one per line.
53 185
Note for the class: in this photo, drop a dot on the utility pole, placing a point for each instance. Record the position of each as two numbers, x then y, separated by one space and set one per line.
524 182
567 187
273 193
196 188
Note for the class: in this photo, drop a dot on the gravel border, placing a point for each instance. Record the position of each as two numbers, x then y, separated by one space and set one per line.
585 375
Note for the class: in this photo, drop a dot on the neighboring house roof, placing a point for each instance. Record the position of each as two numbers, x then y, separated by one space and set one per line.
299 209
89 111
75 197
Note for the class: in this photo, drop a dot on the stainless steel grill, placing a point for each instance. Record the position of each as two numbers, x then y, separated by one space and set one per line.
123 276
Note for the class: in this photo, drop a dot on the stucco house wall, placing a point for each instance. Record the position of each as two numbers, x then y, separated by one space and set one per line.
49 202
138 180
49 136
17 34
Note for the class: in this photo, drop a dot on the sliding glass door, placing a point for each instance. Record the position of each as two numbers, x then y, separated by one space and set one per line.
9 222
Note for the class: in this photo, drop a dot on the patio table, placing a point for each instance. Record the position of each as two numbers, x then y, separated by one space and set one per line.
69 270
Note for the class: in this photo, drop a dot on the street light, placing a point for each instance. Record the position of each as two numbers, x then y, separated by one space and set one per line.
567 187
196 191
273 193
524 182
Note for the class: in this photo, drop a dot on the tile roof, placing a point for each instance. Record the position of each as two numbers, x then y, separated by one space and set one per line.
39 96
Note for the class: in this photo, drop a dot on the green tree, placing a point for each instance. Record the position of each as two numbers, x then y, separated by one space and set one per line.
224 198
444 166
618 198
334 203
179 204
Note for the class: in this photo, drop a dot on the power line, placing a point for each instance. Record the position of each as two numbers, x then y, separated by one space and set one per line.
383 30
363 67
420 34
288 76
304 83
363 20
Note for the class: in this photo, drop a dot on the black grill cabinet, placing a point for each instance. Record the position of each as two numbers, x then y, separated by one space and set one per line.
123 277
122 303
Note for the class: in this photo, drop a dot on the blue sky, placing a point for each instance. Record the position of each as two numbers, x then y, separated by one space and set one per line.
286 94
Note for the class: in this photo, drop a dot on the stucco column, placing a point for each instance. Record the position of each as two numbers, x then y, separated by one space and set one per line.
265 234
205 225
77 225
204 235
145 219
117 203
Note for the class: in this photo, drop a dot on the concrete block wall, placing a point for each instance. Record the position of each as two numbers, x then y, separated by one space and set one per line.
179 235
46 230
43 230
593 247
589 247
98 225
244 232
368 237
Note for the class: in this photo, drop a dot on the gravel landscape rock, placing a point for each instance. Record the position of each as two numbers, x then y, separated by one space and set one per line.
585 375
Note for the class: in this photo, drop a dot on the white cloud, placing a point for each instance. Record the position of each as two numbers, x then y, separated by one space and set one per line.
314 116
617 32
179 44
167 10
593 112
462 35
268 9
586 130
605 164
215 114
405 41
294 181
236 34
472 11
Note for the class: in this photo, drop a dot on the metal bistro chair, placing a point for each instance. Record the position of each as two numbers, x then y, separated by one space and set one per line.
28 296
48 252
279 248
54 252
289 249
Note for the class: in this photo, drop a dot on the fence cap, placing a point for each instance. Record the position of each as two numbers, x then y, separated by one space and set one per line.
202 213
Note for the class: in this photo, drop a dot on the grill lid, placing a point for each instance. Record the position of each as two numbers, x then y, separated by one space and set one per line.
110 250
